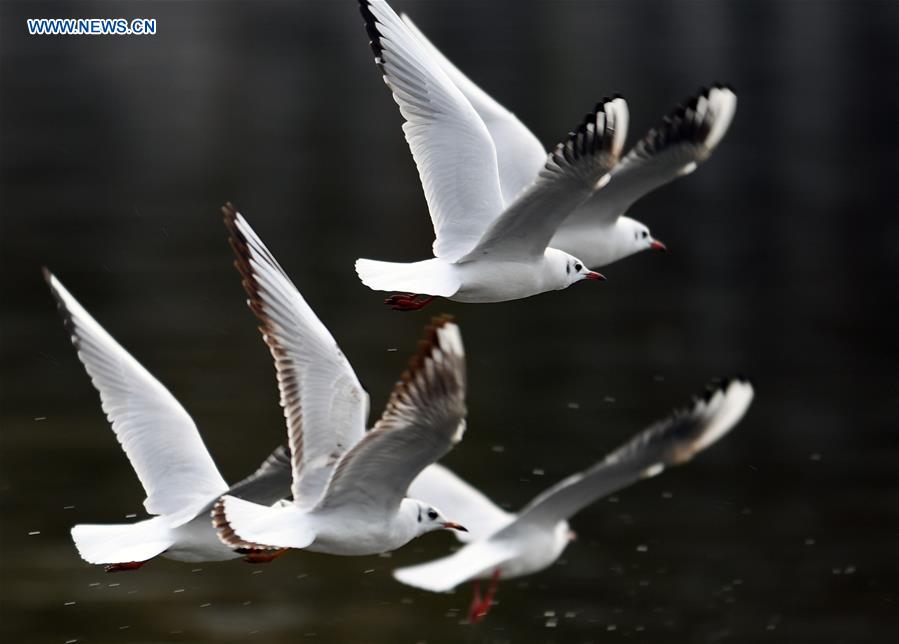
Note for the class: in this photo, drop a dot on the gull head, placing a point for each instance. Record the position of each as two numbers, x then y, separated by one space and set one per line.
567 269
427 518
635 237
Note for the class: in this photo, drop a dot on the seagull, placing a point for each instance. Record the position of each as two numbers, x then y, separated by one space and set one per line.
167 454
510 545
598 231
349 486
491 245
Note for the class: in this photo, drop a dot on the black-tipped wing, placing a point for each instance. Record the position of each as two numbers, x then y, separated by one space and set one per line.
575 170
424 418
672 441
324 404
684 139
156 433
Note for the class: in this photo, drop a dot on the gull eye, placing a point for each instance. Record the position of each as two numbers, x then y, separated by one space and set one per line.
578 266
432 514
645 234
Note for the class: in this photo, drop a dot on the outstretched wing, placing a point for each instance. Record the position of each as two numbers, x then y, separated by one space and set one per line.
157 434
324 404
474 561
451 146
672 441
685 138
424 418
518 152
441 488
573 172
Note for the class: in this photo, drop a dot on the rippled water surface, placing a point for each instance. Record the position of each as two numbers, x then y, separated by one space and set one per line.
117 152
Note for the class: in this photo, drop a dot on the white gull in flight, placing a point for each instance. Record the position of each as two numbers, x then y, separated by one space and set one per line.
349 486
165 449
598 231
503 544
491 245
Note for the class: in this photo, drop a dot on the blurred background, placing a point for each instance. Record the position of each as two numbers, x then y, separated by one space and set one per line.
117 152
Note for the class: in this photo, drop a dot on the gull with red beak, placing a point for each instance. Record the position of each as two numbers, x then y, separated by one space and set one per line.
491 245
597 231
503 544
349 486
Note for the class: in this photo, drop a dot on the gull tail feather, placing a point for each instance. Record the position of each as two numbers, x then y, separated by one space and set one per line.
124 542
428 277
245 525
476 561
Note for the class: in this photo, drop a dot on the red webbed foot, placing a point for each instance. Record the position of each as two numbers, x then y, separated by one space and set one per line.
122 567
408 301
263 556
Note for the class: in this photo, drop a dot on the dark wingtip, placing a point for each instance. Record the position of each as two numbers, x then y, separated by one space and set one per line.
592 136
426 344
371 29
685 122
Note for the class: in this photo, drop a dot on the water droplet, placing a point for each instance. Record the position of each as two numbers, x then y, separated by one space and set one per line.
642 548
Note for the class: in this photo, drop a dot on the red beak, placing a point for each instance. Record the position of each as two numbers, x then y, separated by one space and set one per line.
593 275
657 245
452 525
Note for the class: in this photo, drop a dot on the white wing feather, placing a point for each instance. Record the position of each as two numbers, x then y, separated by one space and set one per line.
519 154
457 499
424 418
451 146
672 441
158 436
325 406
573 172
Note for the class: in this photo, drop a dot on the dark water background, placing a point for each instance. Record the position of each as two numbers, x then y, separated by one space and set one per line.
117 152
